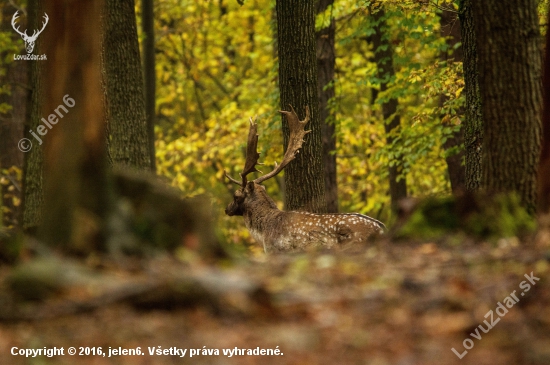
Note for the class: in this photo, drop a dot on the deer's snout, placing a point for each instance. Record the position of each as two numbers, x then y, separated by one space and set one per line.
228 210
233 209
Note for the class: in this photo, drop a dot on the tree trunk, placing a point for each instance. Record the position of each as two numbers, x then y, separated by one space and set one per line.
305 187
123 83
383 55
74 159
544 167
509 63
32 169
473 121
325 89
12 125
450 29
149 74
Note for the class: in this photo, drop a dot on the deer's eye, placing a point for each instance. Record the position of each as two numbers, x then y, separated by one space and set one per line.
239 196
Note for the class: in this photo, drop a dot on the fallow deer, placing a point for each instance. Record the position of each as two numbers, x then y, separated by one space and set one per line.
281 231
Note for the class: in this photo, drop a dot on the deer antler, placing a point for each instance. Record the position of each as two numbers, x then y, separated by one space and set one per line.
252 155
36 33
295 141
24 34
13 19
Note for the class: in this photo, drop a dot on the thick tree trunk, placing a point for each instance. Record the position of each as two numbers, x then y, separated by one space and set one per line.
509 64
123 82
305 185
544 167
325 89
149 74
450 28
75 161
12 125
383 55
473 121
32 169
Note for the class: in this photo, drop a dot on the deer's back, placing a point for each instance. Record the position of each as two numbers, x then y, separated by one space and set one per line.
297 231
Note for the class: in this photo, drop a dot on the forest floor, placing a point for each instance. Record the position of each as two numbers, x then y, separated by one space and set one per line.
385 303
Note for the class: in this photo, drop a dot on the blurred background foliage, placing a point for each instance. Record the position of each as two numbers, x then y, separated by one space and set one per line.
216 66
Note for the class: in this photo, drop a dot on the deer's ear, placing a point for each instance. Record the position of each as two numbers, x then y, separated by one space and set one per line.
250 185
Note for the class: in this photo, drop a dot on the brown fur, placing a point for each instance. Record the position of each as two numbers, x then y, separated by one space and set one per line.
280 231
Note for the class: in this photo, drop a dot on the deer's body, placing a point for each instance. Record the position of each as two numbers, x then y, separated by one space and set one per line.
280 231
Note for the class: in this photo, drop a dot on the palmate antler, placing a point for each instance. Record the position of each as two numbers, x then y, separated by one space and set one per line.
295 142
252 154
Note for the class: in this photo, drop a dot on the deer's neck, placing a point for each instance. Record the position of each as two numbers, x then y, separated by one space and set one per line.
262 217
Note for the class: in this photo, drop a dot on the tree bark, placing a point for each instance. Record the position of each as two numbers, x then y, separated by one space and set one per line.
75 162
326 56
305 187
473 121
33 164
123 83
383 55
12 124
544 167
149 74
450 29
509 61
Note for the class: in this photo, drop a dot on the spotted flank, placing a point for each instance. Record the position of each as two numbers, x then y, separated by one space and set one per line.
366 217
279 231
336 218
328 230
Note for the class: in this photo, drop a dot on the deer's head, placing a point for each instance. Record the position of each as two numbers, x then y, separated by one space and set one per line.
29 40
251 193
236 207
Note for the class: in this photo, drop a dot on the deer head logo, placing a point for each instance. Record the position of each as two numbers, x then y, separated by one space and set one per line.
29 41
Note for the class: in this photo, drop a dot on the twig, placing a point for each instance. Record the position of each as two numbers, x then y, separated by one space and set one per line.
442 8
18 7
